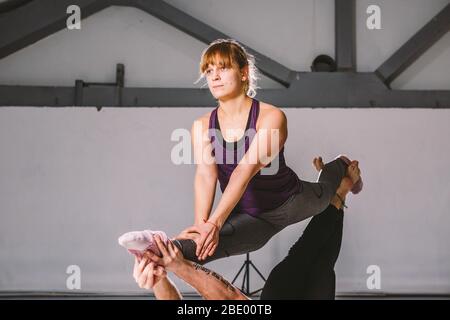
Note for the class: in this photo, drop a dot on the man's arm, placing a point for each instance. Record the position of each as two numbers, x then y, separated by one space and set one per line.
209 284
165 289
150 276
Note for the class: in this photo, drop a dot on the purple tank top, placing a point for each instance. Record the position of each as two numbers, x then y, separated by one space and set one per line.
265 191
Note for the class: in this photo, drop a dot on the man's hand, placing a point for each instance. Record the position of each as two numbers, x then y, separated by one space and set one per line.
171 258
209 240
146 273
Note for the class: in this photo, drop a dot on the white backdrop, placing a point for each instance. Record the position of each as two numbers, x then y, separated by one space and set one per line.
74 179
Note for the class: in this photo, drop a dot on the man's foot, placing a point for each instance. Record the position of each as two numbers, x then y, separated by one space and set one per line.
354 173
137 242
339 199
345 186
318 163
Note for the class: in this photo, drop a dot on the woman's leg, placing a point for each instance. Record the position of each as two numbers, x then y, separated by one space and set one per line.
313 198
243 233
240 234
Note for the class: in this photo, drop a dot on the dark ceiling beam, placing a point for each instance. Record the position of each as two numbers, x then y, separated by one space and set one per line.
9 5
38 19
308 90
207 34
345 35
415 47
23 26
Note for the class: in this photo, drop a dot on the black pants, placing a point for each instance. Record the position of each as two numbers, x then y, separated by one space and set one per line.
308 270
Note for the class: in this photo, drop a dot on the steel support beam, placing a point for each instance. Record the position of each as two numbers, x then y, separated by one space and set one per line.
207 34
9 5
415 46
41 18
23 26
38 19
345 35
309 90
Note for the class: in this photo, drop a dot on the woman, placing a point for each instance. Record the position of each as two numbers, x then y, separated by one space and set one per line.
254 205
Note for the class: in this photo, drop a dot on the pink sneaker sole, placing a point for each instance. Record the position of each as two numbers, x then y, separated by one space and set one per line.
358 186
137 242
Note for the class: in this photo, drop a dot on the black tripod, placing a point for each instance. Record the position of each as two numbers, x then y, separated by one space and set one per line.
245 288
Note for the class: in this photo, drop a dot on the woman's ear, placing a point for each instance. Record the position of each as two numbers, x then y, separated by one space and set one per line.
244 73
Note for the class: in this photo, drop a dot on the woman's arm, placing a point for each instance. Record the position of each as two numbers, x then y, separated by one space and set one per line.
205 179
204 193
266 145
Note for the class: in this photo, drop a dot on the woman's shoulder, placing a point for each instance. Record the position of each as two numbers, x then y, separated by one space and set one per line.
270 112
203 121
204 118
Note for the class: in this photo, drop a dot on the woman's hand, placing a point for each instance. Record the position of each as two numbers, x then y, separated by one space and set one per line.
209 240
189 233
146 273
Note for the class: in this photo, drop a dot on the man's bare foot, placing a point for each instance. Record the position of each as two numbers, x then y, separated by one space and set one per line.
345 186
353 171
318 163
339 199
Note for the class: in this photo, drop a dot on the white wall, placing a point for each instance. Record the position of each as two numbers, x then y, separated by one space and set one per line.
73 179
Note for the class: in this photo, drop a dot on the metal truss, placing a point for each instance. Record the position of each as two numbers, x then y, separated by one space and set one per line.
345 88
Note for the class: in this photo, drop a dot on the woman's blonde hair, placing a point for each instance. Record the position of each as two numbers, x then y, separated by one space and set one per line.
229 53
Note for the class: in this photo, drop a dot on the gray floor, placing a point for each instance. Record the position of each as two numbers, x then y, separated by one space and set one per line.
33 295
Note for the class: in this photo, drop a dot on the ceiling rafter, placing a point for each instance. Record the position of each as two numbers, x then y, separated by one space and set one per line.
345 88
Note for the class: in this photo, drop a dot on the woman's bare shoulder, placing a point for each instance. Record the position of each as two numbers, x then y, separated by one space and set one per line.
203 121
270 111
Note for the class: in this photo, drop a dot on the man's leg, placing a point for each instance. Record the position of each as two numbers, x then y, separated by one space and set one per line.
288 279
320 240
321 282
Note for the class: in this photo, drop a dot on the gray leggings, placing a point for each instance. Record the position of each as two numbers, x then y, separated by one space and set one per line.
242 233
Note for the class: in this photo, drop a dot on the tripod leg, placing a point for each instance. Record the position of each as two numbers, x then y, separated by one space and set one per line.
243 279
254 292
256 269
248 275
237 275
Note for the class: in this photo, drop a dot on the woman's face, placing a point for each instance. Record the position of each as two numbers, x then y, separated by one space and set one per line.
224 83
